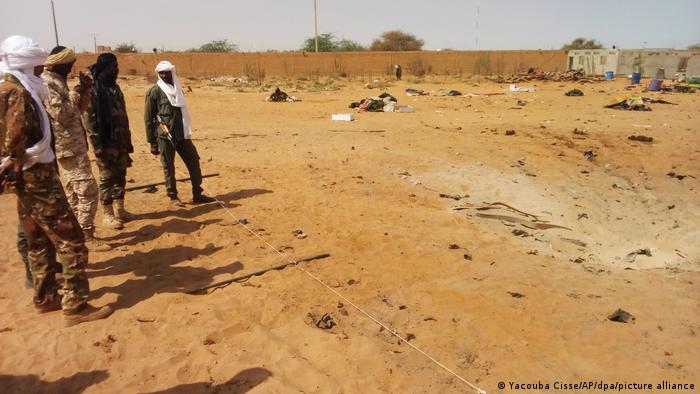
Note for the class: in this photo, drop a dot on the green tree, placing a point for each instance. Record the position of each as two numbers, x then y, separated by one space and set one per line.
328 42
125 47
582 43
346 45
694 46
217 46
325 43
396 40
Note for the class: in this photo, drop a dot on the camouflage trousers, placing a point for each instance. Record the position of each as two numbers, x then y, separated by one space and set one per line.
23 250
112 166
47 219
80 188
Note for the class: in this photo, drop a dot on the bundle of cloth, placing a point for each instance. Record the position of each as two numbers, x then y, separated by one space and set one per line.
375 104
635 103
280 96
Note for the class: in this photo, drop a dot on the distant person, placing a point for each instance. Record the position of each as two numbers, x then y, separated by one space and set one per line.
168 130
107 126
27 168
398 71
64 108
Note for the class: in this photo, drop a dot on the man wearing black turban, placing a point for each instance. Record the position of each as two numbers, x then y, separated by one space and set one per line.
107 126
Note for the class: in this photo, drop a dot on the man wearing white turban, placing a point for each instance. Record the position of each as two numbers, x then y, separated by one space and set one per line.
25 149
168 130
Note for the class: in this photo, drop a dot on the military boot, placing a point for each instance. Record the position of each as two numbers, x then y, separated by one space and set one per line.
109 219
93 244
86 313
121 214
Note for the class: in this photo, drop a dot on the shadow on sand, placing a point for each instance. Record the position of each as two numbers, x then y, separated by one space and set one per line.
242 382
20 384
157 273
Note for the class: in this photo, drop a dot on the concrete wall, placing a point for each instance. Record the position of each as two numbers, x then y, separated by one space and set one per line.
352 64
593 61
649 61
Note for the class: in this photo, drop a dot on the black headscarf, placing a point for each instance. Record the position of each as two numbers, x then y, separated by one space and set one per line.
103 115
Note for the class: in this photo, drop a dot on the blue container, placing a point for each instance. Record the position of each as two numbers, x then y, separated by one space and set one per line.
654 85
636 78
609 75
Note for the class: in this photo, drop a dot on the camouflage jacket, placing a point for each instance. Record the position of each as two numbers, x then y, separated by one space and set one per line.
114 134
19 119
64 108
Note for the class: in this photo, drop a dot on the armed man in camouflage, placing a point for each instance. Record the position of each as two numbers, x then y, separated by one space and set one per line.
27 168
107 126
64 108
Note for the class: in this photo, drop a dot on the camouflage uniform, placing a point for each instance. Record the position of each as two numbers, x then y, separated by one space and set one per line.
42 205
114 145
64 109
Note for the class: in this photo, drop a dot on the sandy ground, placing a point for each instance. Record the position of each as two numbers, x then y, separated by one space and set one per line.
529 303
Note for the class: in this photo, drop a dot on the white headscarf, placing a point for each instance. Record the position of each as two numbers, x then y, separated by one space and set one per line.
175 95
18 56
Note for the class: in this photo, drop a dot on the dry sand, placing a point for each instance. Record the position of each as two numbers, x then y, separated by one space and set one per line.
368 193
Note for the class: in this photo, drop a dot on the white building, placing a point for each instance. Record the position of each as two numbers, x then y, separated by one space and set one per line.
625 61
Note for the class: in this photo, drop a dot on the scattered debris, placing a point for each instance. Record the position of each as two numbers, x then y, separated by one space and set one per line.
579 260
672 174
416 92
468 256
521 233
640 138
375 104
280 96
324 322
633 255
146 319
510 132
410 336
453 246
529 75
514 88
574 93
515 294
243 221
299 234
343 117
635 103
452 93
429 318
151 189
208 341
621 316
589 155
629 102
574 241
455 197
